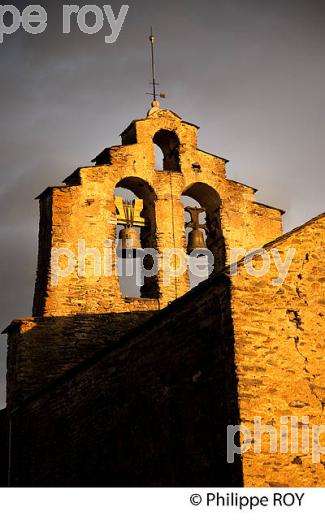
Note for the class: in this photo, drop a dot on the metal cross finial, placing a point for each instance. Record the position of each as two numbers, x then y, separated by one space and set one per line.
154 83
152 41
195 218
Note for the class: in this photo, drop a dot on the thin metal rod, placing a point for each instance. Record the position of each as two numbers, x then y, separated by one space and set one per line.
152 41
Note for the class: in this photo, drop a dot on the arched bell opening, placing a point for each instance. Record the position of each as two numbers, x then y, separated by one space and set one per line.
167 151
136 231
203 229
195 235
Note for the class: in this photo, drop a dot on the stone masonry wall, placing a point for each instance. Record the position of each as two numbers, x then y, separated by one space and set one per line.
150 412
4 448
42 349
279 336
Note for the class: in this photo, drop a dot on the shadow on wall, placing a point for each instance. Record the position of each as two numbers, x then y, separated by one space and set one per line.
4 447
149 410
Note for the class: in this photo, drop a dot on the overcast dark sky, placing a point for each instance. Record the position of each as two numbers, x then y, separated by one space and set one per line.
249 72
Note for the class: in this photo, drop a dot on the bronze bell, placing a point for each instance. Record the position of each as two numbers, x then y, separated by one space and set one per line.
195 240
196 236
130 239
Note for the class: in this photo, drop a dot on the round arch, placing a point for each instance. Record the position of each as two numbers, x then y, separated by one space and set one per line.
207 196
140 187
148 236
209 199
169 144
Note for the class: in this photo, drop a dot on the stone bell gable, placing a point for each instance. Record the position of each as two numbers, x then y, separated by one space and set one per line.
85 209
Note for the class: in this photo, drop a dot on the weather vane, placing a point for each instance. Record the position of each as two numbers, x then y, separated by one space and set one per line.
154 83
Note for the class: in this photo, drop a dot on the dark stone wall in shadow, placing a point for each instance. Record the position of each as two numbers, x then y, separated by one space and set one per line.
4 447
40 350
152 410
